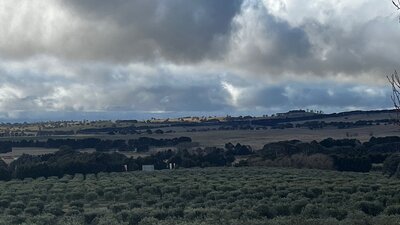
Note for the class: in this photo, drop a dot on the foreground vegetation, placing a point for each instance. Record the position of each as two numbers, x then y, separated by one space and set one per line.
203 196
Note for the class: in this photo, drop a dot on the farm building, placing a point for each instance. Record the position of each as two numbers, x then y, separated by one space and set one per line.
148 168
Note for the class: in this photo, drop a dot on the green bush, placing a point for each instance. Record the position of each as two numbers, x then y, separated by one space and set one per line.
55 209
71 220
14 211
391 164
4 203
393 210
135 204
282 210
77 203
109 196
75 196
91 196
298 206
119 207
17 205
92 215
265 211
129 195
370 208
32 211
313 211
339 214
108 220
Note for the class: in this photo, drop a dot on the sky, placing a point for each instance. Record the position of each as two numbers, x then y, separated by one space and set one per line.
127 59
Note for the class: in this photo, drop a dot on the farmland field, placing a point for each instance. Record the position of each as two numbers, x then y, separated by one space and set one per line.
212 136
203 196
255 138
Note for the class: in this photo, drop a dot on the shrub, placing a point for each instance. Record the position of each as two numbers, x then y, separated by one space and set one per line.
393 210
129 195
265 211
71 220
4 203
298 206
119 207
370 208
75 196
91 196
313 211
78 204
14 211
109 196
391 164
32 211
37 204
135 204
73 211
55 209
108 220
17 205
282 210
338 214
91 215
43 219
148 221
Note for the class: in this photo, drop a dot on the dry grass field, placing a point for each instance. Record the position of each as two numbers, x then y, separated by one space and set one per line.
258 138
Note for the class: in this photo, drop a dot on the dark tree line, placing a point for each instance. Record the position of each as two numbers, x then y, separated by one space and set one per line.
239 149
343 125
70 161
346 154
140 144
342 155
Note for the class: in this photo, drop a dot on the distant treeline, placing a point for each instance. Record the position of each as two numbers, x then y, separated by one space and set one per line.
119 130
344 125
342 155
140 144
279 124
279 120
69 161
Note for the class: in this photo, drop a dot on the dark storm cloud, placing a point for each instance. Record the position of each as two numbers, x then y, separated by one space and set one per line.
249 36
124 31
266 44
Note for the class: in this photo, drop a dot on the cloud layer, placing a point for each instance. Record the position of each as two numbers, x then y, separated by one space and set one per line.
113 59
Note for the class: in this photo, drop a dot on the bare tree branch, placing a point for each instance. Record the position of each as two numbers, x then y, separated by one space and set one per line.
396 4
394 81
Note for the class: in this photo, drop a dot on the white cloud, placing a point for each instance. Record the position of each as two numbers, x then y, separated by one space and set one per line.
234 93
